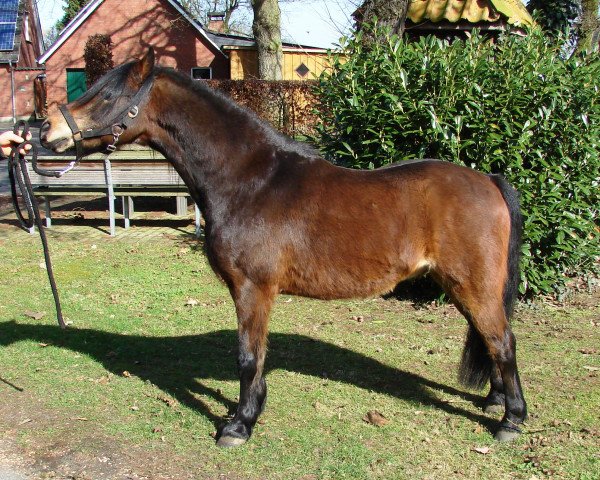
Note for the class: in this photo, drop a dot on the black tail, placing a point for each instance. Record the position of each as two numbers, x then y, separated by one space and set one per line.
511 287
476 364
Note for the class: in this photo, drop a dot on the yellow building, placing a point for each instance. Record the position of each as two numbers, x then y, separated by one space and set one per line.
299 62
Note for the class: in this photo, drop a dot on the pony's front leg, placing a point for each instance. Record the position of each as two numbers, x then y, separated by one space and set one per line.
253 305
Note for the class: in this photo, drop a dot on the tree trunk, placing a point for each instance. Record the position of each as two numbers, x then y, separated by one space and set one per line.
266 27
387 14
589 25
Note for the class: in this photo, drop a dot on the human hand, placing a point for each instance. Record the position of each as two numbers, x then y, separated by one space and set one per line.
8 139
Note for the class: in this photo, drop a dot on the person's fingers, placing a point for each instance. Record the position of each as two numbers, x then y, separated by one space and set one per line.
12 137
23 151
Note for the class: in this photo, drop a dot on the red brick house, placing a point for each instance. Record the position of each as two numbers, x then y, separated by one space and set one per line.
134 25
20 45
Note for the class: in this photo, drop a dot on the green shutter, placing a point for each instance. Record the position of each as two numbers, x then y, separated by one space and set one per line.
76 85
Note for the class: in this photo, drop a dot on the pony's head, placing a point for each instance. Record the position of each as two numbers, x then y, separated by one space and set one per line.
109 112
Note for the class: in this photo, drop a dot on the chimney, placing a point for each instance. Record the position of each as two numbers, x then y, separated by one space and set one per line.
216 22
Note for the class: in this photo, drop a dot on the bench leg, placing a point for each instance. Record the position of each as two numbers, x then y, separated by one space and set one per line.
127 209
48 212
182 206
111 214
110 194
198 218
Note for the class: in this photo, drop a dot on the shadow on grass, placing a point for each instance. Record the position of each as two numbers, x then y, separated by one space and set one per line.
177 365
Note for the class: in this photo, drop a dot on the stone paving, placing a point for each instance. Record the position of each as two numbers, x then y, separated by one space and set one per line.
79 219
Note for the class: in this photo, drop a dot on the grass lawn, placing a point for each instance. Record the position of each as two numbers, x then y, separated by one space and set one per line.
146 371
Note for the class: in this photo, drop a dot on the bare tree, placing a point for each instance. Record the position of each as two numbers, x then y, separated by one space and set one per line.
590 24
236 18
266 27
387 14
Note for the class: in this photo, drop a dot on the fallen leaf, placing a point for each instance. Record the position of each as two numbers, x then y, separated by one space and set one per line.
135 408
43 345
375 418
126 374
34 315
591 369
588 351
191 302
169 401
482 450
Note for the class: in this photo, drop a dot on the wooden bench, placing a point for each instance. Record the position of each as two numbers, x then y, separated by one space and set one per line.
126 173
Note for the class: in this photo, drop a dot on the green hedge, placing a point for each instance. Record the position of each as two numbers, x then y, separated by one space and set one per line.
513 107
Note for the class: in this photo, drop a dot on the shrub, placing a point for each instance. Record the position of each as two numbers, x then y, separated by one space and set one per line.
98 57
287 105
513 107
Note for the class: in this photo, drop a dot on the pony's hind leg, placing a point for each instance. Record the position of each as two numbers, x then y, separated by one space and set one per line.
495 401
490 353
253 305
515 411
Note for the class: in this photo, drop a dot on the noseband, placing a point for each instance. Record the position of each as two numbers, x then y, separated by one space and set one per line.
117 127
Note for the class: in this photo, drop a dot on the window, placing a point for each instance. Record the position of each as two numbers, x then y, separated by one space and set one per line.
201 73
302 70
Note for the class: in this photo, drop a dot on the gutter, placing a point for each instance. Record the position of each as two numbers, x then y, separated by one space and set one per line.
12 91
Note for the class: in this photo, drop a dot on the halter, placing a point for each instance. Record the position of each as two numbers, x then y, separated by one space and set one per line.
119 125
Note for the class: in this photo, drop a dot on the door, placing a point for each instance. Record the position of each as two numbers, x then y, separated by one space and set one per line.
76 85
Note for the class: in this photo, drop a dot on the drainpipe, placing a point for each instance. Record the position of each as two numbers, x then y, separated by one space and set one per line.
12 90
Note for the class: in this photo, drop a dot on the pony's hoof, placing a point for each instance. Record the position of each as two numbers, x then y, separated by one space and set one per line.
507 434
493 408
229 442
233 434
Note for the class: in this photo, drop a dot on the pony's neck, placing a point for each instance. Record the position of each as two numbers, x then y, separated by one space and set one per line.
218 149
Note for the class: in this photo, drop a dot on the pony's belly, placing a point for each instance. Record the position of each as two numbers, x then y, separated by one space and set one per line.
346 283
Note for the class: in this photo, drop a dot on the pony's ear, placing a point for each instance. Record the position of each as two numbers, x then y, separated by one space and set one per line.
145 66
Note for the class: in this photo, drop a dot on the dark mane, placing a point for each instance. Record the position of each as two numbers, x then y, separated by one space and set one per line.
109 86
232 109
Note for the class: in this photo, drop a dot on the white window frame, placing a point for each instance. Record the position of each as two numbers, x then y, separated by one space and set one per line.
210 71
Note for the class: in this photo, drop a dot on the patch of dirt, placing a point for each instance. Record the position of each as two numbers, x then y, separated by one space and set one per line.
75 453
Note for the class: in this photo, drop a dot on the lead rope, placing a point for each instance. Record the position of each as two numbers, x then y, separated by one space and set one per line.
19 174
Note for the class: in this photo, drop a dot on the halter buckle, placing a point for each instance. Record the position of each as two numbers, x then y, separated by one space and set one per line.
117 130
111 148
133 111
78 136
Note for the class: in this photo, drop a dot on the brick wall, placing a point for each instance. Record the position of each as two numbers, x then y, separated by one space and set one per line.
133 26
28 53
24 94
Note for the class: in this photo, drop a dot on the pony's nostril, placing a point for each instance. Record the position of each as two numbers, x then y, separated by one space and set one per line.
44 130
